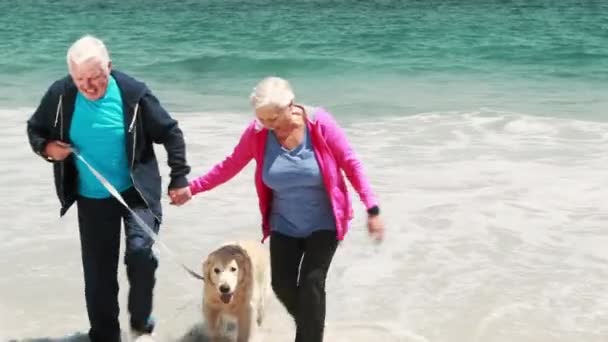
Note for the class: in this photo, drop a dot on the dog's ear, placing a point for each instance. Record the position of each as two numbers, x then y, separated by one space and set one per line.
245 265
207 271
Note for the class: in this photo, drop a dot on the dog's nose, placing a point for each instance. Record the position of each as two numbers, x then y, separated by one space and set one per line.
224 288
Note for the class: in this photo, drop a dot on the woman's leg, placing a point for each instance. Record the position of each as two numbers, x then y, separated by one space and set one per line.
285 256
319 249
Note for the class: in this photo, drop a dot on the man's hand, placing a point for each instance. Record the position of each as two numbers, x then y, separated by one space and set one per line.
57 150
180 196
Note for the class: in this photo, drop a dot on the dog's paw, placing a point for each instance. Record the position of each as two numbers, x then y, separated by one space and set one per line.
231 327
144 338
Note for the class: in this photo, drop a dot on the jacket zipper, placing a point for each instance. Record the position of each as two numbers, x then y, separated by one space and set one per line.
62 163
133 130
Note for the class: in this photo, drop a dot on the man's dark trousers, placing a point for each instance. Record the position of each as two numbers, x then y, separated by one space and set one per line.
99 224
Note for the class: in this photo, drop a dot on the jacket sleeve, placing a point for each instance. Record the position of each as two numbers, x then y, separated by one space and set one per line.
40 123
229 167
163 129
347 159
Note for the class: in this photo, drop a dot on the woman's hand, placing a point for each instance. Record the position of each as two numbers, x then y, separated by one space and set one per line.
180 196
375 227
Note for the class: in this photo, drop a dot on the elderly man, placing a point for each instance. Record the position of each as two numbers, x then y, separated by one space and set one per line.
112 120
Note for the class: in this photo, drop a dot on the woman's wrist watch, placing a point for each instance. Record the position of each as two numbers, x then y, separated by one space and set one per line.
373 211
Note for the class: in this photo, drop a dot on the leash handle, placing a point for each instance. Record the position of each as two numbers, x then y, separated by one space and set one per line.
138 219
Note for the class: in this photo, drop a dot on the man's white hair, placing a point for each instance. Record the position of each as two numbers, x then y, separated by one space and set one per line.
88 48
272 91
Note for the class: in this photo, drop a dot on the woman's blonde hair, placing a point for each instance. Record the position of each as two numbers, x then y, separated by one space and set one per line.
272 91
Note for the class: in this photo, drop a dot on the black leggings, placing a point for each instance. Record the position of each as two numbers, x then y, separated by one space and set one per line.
304 298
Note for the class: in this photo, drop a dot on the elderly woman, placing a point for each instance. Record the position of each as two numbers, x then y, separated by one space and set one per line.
300 152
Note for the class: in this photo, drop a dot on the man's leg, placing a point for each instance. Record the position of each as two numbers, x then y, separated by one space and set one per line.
99 226
319 251
141 263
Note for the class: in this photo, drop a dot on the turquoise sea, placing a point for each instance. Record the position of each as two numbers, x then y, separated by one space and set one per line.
356 57
482 125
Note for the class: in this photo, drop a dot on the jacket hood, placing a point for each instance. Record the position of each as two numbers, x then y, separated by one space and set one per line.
131 89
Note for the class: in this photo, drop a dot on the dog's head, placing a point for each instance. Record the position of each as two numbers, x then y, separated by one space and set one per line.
227 269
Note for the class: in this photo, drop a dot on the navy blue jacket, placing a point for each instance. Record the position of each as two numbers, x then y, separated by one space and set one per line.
146 122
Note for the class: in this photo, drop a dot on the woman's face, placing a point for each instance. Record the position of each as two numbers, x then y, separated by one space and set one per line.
274 118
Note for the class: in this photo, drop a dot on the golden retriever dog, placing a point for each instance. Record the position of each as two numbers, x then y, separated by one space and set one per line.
236 288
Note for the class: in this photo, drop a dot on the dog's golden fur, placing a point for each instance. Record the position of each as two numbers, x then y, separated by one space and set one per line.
237 283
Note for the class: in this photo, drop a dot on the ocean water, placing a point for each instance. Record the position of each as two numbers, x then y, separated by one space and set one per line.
483 127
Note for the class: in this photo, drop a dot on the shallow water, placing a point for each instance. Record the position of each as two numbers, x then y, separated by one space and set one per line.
496 232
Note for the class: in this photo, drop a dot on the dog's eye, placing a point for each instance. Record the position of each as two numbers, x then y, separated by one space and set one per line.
232 269
216 270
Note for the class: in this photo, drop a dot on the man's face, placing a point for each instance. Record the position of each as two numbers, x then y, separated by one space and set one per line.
91 78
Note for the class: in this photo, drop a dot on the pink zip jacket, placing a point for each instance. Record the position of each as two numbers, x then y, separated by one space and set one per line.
332 151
